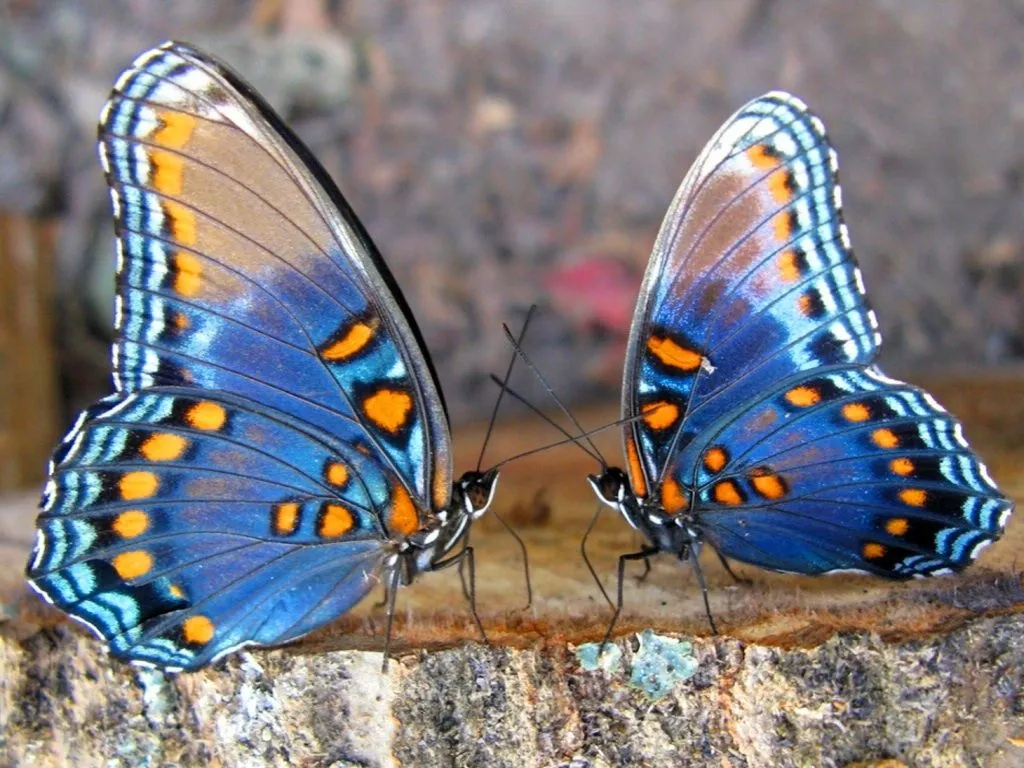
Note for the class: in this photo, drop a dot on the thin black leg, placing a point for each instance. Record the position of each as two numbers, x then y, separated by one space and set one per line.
647 569
728 569
643 554
392 593
695 562
466 553
583 551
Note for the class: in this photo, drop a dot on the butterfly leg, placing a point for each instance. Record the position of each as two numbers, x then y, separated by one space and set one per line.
738 579
590 567
391 592
703 588
466 553
643 554
647 569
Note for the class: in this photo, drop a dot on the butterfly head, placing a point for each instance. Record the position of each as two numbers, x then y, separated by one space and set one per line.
474 492
611 486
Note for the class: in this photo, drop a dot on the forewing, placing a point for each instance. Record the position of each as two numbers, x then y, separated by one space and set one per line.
242 269
751 281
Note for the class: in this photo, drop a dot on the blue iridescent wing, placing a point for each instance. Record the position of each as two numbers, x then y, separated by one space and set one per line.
752 365
277 424
181 524
242 269
751 280
844 469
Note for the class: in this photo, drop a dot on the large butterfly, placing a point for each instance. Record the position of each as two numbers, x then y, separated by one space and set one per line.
277 444
756 418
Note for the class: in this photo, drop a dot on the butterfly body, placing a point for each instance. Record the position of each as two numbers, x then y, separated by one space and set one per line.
277 444
757 420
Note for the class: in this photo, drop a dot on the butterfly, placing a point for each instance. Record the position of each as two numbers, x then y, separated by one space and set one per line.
277 443
755 417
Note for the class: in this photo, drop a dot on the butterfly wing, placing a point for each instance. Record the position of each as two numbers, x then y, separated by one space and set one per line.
181 524
242 269
751 363
844 469
751 280
277 423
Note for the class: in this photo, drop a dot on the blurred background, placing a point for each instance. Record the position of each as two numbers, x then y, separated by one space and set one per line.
509 153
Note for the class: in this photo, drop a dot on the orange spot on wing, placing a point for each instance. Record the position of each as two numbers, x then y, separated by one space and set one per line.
402 516
175 129
902 466
164 447
856 412
715 459
805 305
673 498
207 416
168 172
768 484
138 485
286 518
636 469
762 157
780 185
177 592
182 222
351 343
335 521
727 493
674 355
789 266
897 526
180 321
913 497
388 408
131 523
132 565
188 272
873 550
198 630
885 438
782 224
660 415
803 397
336 474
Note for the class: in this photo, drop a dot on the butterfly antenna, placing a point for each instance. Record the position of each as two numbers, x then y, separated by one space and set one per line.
586 558
551 392
569 438
504 383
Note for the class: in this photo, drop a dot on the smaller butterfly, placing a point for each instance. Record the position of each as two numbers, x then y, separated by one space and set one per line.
756 420
277 444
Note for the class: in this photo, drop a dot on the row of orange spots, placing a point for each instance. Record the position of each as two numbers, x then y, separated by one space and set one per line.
207 416
768 484
175 129
715 459
388 408
137 485
168 172
352 342
182 222
789 266
286 518
187 271
636 470
674 355
673 498
856 412
661 414
336 474
198 629
163 447
132 565
335 521
803 396
131 523
402 516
